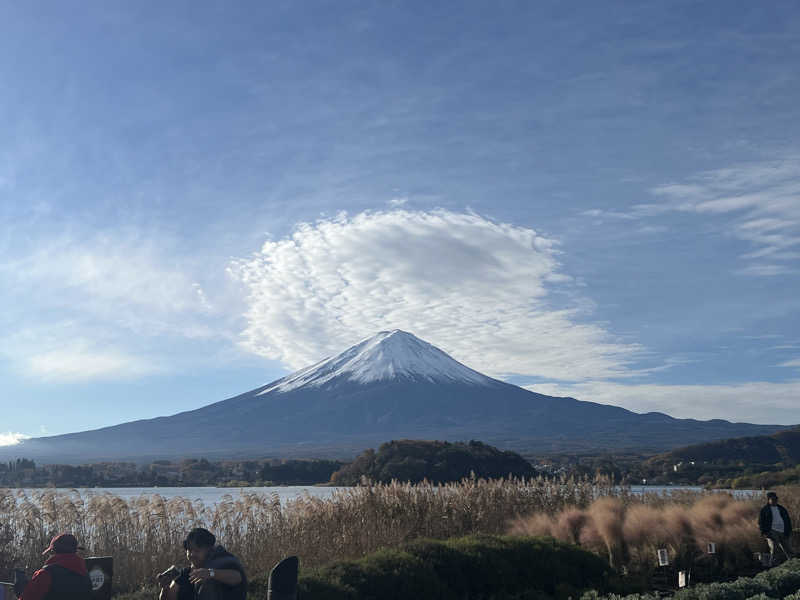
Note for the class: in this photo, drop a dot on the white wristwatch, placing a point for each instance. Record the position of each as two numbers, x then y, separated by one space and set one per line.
211 573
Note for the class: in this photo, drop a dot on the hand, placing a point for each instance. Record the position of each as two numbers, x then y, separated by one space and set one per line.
199 576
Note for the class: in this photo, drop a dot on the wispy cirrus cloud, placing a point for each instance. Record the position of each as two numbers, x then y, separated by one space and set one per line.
477 288
112 271
759 203
97 307
77 362
762 197
766 270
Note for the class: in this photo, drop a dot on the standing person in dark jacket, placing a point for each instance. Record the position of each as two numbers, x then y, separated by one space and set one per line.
63 576
213 574
775 526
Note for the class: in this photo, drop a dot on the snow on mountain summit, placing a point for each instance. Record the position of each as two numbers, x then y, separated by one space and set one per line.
385 356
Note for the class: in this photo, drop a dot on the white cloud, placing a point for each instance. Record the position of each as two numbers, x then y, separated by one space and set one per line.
791 363
398 201
98 306
752 402
109 275
763 198
475 288
62 352
10 438
649 229
765 270
79 363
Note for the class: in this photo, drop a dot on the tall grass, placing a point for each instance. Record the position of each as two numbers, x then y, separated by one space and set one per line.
630 531
144 535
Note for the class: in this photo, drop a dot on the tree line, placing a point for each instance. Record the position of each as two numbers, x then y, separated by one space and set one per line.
166 473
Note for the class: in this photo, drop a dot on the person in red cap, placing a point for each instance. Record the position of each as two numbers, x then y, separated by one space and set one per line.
63 576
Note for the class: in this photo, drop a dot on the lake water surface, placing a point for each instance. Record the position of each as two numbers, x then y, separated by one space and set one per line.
207 495
212 495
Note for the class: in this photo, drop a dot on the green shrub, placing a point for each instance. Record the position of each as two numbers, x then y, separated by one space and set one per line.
779 582
782 580
471 567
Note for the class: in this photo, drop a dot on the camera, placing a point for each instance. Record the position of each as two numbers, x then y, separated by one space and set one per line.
172 573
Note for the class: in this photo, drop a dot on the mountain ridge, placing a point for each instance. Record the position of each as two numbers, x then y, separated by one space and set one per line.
390 386
780 447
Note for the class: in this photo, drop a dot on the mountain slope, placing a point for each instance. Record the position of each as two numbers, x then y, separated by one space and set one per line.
387 356
390 386
782 447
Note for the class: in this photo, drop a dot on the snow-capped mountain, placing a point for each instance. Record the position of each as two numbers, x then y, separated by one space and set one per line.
386 356
390 386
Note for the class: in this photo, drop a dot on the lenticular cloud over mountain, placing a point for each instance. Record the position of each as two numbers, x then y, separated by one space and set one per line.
476 288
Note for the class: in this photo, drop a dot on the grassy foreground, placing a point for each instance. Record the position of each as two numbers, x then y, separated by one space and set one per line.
144 535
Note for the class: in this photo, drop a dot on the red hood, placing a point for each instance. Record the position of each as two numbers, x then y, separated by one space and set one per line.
70 561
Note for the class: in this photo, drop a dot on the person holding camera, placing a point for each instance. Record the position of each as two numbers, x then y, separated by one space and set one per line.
213 574
63 576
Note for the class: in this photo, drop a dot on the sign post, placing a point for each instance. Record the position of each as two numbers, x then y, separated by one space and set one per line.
6 591
683 579
663 557
101 571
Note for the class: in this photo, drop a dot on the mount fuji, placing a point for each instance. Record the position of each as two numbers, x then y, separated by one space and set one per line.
390 386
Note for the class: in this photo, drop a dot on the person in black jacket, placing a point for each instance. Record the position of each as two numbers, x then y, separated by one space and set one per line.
213 574
776 526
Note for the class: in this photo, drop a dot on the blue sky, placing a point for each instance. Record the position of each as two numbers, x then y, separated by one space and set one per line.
592 199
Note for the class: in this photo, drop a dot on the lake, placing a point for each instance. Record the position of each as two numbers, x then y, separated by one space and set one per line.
207 495
212 495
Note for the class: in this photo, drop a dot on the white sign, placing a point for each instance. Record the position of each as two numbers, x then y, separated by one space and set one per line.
663 557
683 579
98 578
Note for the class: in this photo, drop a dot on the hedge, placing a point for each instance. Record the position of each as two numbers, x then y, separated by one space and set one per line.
782 581
473 567
468 568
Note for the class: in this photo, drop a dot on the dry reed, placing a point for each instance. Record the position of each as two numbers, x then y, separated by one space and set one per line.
144 535
629 530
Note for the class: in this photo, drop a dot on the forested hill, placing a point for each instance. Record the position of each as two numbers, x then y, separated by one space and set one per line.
438 462
782 447
745 463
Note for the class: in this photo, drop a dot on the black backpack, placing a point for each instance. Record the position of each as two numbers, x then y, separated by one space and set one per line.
67 585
